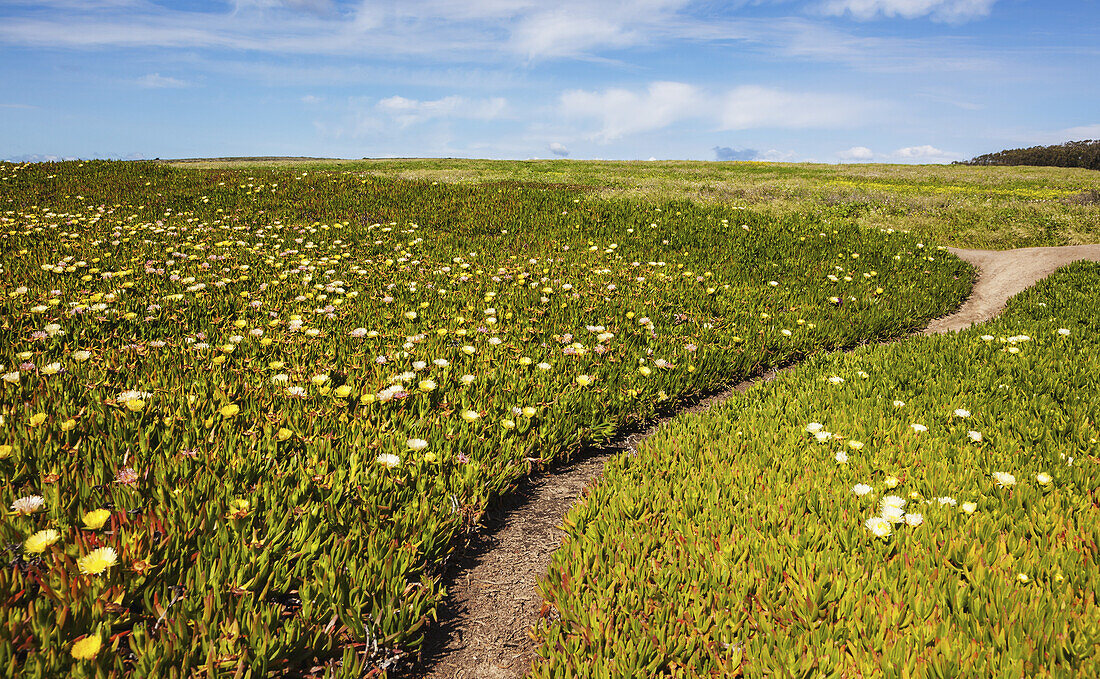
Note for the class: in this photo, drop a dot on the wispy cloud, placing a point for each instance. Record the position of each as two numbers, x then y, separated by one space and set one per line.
364 117
941 10
158 81
623 112
410 111
752 106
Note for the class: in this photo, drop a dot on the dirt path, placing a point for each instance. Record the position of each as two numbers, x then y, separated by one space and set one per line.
494 601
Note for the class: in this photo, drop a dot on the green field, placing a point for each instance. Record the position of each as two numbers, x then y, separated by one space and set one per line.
927 508
974 207
250 411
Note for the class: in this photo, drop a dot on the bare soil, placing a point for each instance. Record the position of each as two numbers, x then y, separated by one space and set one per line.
484 627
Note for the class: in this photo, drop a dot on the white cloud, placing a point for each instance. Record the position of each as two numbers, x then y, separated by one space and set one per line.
558 149
941 10
751 106
777 156
623 112
158 81
311 99
856 153
410 111
924 152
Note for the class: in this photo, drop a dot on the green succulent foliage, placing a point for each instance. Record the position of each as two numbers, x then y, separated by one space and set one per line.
260 378
735 542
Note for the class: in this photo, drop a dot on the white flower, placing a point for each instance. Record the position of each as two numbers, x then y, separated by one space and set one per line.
962 413
467 379
296 391
12 377
814 427
81 356
892 501
836 380
133 396
1063 331
861 489
416 444
1043 478
898 404
1004 479
893 514
855 445
987 338
28 504
946 500
823 436
281 378
388 460
878 526
918 428
913 519
543 366
969 507
975 436
841 457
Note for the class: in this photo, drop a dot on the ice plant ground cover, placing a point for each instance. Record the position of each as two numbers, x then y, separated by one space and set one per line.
245 418
927 508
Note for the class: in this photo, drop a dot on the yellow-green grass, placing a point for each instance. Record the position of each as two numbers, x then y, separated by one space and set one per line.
963 206
279 397
756 538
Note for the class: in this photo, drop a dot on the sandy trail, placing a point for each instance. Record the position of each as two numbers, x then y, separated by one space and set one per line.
494 600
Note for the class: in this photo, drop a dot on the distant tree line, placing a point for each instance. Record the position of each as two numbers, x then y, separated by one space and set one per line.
1084 154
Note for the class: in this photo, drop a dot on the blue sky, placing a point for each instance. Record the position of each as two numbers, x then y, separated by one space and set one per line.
828 80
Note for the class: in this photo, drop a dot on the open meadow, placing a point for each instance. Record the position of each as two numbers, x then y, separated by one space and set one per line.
960 205
250 410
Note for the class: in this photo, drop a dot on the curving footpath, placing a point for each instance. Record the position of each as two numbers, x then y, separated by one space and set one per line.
494 600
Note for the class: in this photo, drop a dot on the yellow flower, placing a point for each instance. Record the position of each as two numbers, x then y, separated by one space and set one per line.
135 404
95 519
37 419
68 425
230 410
342 391
891 482
284 434
37 543
239 508
584 380
97 561
5 452
218 360
87 648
